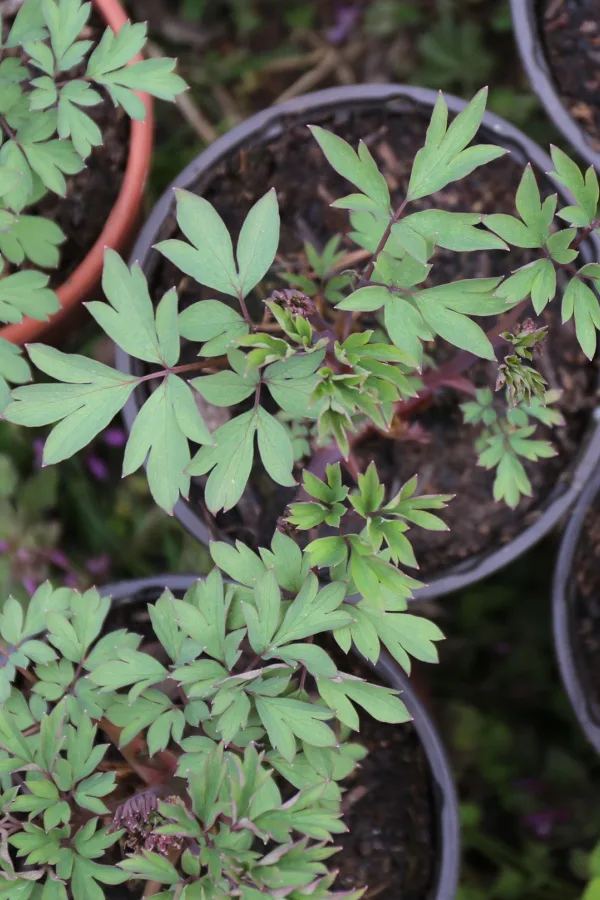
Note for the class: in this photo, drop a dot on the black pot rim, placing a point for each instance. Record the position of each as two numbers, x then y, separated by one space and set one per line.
533 57
474 569
564 622
444 794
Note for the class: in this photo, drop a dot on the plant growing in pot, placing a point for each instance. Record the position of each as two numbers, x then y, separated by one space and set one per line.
558 43
317 368
202 756
67 83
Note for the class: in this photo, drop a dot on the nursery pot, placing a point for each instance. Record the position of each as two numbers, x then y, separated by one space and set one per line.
526 26
566 603
336 102
443 799
120 226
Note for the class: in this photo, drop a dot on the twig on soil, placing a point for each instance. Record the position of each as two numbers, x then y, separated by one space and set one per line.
231 110
330 62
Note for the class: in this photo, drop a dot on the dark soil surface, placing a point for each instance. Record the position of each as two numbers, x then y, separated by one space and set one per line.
571 32
587 599
292 163
91 194
390 842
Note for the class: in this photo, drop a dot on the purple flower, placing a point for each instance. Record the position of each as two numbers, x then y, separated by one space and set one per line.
71 581
4 546
59 559
98 565
114 437
38 453
543 822
346 17
29 585
98 467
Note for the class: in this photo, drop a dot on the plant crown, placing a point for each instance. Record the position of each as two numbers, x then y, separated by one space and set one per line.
304 371
237 727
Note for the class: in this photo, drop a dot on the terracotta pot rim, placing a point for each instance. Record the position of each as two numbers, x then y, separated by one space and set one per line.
262 126
444 796
120 220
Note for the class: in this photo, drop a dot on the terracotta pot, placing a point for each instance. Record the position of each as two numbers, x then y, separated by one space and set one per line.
262 127
444 797
118 230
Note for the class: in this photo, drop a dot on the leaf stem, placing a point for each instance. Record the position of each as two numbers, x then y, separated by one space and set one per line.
244 309
384 239
175 370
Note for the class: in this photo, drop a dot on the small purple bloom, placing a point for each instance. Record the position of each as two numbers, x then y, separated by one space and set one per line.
4 546
98 468
29 585
98 565
543 822
346 18
114 437
38 453
59 559
71 581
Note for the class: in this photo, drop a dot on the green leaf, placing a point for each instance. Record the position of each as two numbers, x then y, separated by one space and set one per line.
512 230
454 327
38 240
154 76
263 618
454 231
130 321
240 563
275 448
160 432
26 293
86 404
258 242
314 658
285 718
365 299
210 261
313 611
150 867
292 381
28 25
444 159
585 191
229 387
543 288
230 459
214 323
580 300
359 168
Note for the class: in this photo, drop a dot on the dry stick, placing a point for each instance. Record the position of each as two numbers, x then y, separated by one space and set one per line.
291 63
343 70
228 105
189 110
310 80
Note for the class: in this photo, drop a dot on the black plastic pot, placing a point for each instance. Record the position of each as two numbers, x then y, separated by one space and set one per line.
147 590
566 638
265 126
531 48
